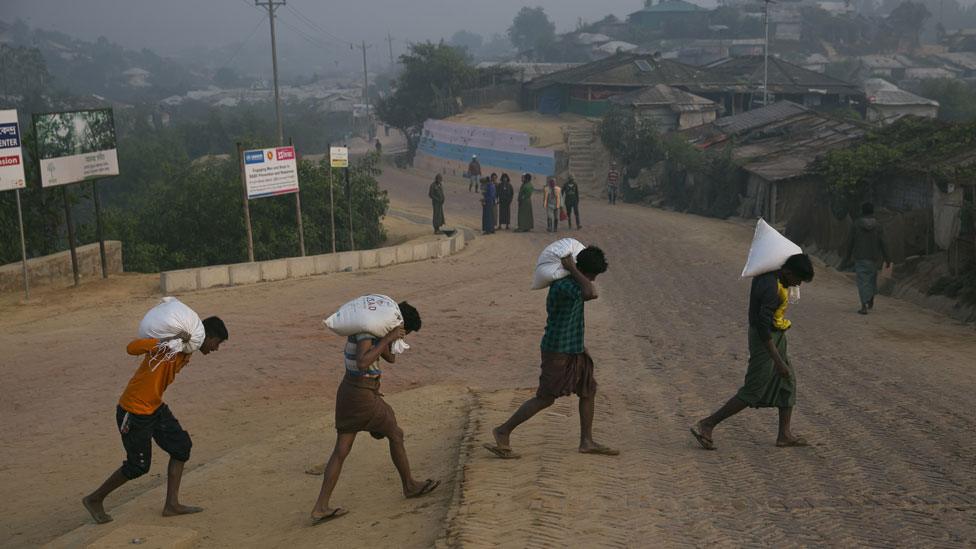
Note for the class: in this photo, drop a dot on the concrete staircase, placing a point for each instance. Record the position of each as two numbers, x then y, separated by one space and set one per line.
582 165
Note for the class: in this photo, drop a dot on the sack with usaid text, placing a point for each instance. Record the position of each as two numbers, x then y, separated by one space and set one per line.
373 314
549 266
170 319
768 253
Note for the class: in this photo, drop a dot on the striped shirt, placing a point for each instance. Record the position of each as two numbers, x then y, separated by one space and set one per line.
352 345
613 177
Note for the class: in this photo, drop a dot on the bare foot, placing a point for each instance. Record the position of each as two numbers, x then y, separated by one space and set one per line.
501 439
96 510
598 449
180 509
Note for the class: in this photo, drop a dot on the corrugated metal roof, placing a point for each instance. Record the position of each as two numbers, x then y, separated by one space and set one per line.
675 99
882 92
777 142
759 117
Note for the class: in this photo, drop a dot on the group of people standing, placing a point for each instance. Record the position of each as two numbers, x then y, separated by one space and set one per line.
498 194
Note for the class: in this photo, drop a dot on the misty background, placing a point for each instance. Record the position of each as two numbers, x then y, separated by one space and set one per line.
184 28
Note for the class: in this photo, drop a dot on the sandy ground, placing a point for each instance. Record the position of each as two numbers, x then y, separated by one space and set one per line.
882 397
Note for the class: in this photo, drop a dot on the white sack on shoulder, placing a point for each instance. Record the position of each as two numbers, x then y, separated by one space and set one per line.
769 251
373 314
170 318
549 266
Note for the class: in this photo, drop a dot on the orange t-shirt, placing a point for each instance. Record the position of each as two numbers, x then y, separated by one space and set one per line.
144 393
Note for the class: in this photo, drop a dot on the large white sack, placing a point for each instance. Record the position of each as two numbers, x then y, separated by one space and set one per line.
374 314
549 267
169 319
769 251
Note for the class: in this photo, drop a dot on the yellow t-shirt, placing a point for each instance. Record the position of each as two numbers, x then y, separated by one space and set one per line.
779 317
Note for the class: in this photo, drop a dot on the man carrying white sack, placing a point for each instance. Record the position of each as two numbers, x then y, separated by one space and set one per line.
143 417
566 364
770 380
360 407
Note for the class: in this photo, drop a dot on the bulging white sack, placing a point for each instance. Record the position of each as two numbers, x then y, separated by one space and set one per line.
169 319
769 251
374 314
549 267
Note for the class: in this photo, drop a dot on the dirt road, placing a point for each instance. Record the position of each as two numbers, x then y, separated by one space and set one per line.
883 398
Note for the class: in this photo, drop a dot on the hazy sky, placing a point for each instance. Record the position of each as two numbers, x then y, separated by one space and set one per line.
169 26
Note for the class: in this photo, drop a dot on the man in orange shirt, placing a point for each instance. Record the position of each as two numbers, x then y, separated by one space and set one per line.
143 417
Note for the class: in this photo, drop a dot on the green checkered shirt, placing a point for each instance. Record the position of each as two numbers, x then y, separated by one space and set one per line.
564 328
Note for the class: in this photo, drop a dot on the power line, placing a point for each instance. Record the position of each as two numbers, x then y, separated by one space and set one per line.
242 44
315 26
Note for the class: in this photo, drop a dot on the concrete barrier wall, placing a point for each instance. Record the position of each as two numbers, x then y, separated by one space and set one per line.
189 280
55 269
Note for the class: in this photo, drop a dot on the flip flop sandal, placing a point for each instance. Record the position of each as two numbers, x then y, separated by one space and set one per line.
601 451
798 442
336 513
429 487
705 442
501 453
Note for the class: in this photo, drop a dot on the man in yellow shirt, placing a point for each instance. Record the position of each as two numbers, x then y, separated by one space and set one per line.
143 417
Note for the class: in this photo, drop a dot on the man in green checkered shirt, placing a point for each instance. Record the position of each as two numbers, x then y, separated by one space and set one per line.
566 364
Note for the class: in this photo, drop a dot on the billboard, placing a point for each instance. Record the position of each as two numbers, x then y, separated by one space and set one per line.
11 158
76 146
270 172
339 157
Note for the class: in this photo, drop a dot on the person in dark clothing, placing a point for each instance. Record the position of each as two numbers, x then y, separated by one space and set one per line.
436 194
868 251
488 197
506 193
770 379
571 202
474 174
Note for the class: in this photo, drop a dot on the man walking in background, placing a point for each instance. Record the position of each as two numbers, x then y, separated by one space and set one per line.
613 182
868 251
474 174
436 194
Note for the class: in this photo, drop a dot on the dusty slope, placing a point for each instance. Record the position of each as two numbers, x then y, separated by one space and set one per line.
884 398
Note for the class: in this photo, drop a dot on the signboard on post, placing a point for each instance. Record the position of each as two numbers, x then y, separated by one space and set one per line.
12 177
339 157
76 146
11 158
270 172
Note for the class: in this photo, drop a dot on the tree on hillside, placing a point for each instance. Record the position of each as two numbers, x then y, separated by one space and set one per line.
908 20
532 30
470 41
957 99
432 74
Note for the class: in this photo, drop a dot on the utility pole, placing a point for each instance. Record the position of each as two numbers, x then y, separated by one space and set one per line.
273 5
766 53
389 40
369 132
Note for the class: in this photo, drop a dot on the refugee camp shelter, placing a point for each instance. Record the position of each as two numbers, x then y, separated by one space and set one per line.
668 13
669 108
887 102
776 146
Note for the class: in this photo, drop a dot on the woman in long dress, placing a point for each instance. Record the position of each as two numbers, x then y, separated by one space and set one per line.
488 207
436 194
505 195
525 218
